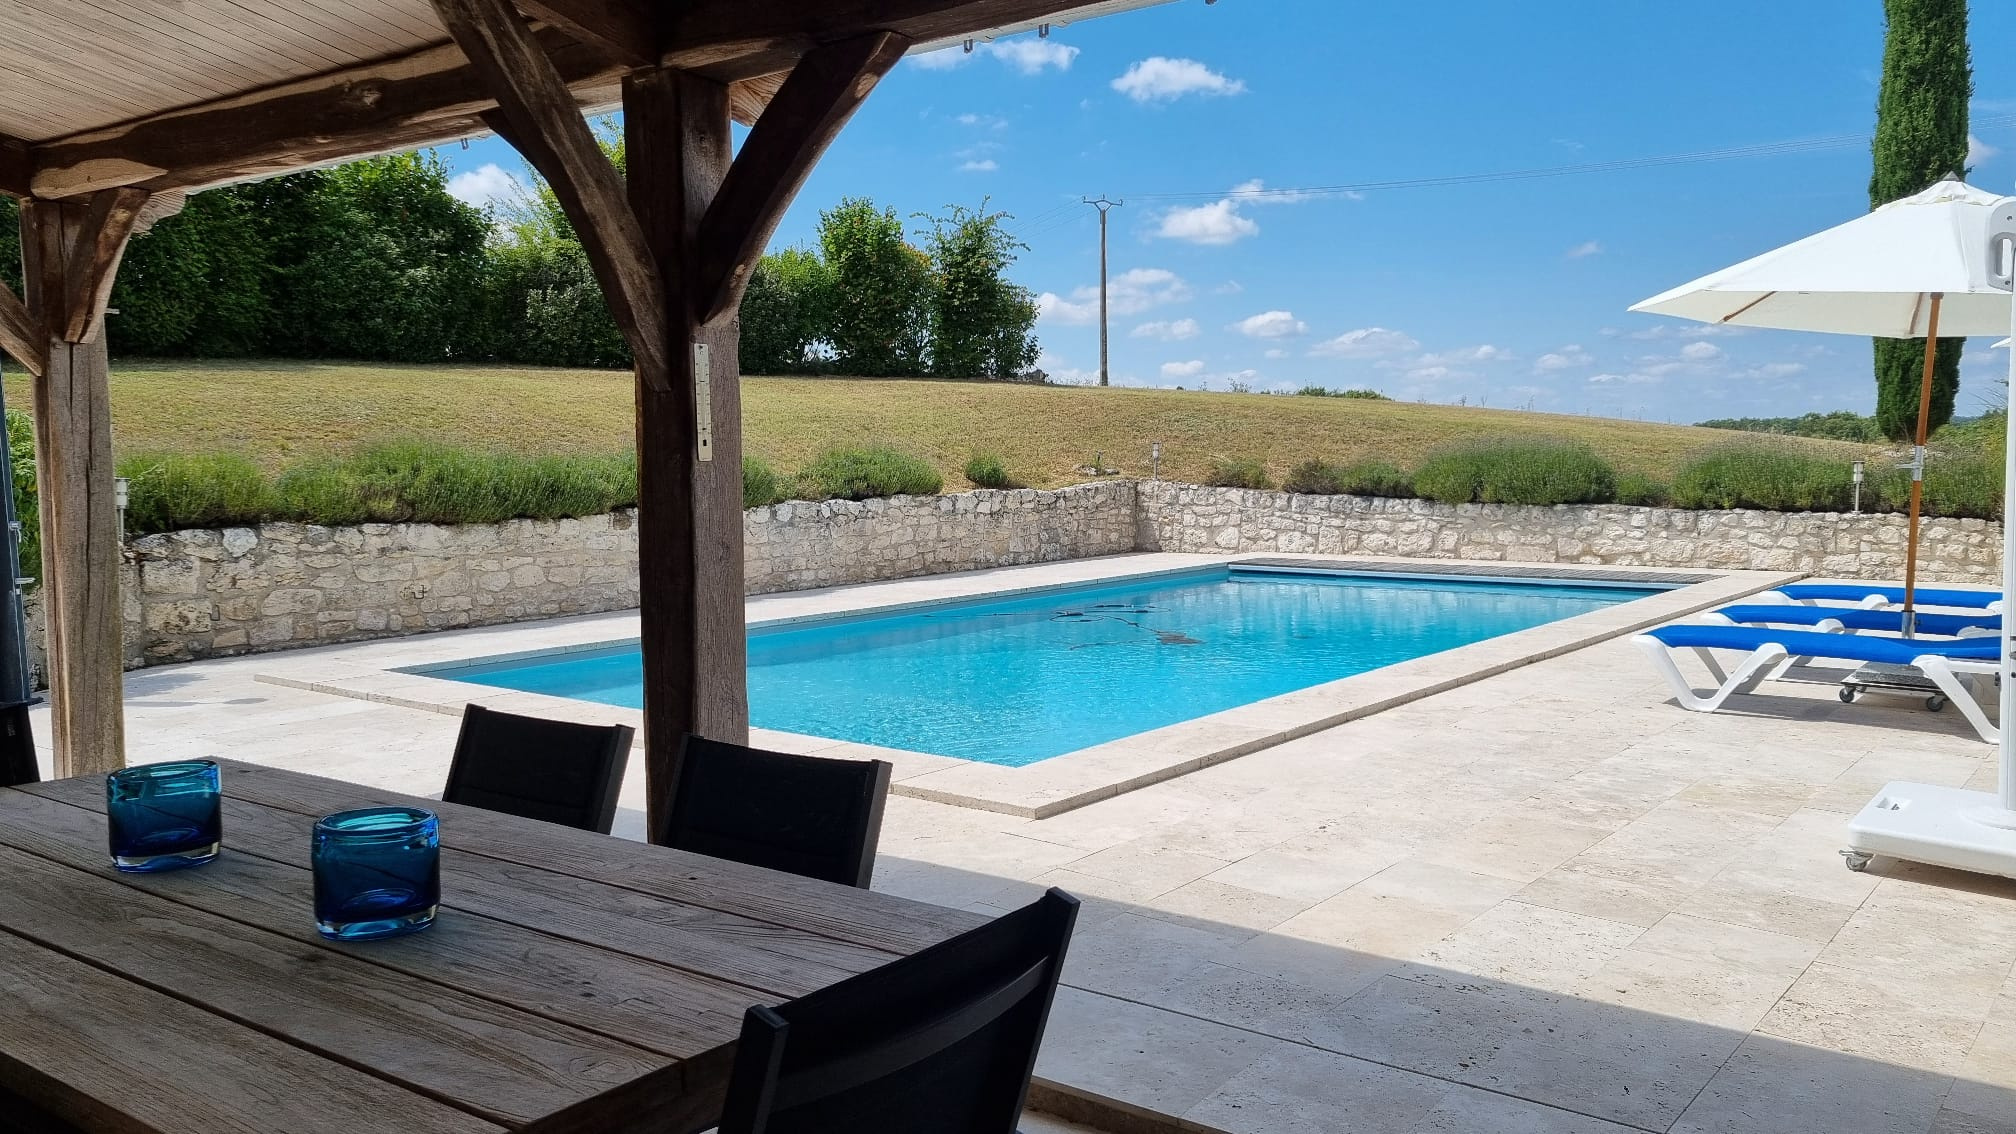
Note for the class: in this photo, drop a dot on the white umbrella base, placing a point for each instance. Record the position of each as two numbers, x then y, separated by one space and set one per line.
1940 826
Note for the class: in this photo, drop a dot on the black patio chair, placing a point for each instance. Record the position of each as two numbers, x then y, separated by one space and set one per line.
17 747
557 771
942 1042
800 814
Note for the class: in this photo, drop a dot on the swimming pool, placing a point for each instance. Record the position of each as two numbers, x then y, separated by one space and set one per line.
1014 680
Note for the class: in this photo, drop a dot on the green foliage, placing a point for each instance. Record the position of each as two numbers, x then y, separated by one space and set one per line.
1775 478
864 473
785 312
982 326
1327 392
760 485
1516 472
883 326
1641 490
1313 477
1237 472
1841 425
1921 136
1375 478
167 491
27 508
986 470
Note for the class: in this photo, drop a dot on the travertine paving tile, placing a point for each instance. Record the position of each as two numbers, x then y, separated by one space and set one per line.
1789 1088
1724 975
1141 1055
1924 1023
1532 946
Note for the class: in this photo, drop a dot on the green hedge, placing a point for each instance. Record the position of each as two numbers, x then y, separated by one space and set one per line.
1516 472
1237 472
1763 476
862 474
1365 478
985 470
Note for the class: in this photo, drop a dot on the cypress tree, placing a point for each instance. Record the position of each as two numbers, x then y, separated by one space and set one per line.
1921 136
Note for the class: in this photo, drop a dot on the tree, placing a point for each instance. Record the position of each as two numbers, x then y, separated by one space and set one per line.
1921 136
982 325
881 317
785 313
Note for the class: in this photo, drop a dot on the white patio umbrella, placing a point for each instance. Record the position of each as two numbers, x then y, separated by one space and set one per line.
1914 268
1941 261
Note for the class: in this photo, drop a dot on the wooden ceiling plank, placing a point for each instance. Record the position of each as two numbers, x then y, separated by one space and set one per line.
736 39
825 89
622 29
423 98
539 116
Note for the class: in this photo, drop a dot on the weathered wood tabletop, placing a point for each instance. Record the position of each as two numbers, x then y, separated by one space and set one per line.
573 982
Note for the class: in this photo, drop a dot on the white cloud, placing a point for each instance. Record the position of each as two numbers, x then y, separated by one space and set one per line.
1169 331
1276 352
1567 358
983 121
983 165
1256 192
483 186
1483 353
1189 369
1365 342
1229 287
1584 250
1031 56
1271 325
1678 330
1979 151
1429 373
1215 223
1635 378
1775 370
1160 79
1700 352
1129 293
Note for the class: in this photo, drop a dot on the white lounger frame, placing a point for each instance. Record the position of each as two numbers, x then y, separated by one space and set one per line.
1950 676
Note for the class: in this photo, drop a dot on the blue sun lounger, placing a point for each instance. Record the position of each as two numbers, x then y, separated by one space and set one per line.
1854 619
1944 662
1874 596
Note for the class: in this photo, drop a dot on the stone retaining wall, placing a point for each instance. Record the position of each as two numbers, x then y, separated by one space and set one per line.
196 594
1181 517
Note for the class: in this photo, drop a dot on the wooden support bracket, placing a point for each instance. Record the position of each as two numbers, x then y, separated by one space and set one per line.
623 30
94 260
539 116
825 89
19 335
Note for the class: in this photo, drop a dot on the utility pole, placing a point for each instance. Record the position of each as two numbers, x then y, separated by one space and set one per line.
1104 206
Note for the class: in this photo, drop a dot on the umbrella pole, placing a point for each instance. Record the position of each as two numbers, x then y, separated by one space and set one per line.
1918 471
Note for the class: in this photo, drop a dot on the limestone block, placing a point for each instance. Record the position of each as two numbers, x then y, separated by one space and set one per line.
238 541
181 576
183 616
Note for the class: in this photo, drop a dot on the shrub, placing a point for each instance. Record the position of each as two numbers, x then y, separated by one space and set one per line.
324 490
1374 478
1642 490
1237 473
27 511
1327 392
760 485
988 471
861 474
1763 476
1313 478
192 490
1516 472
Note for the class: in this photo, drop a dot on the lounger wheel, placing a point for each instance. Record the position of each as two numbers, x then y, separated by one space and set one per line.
1935 702
1847 695
1857 860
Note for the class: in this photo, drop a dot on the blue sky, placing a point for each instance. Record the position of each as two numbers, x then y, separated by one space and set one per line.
1509 293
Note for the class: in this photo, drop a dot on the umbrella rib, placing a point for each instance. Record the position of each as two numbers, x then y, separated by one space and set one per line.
1746 307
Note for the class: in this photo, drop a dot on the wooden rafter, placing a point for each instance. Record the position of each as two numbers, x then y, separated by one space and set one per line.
623 30
15 167
424 98
538 115
432 96
824 90
19 336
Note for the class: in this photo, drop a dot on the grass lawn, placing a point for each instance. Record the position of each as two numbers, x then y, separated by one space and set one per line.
277 411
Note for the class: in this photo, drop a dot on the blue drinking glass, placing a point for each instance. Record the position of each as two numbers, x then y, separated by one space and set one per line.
377 872
164 816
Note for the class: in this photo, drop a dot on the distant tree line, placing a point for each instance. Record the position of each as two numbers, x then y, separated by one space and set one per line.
1841 425
374 260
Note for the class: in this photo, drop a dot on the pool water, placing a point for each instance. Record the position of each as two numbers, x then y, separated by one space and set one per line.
1020 679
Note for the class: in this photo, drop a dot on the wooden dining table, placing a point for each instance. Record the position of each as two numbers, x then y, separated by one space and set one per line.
573 982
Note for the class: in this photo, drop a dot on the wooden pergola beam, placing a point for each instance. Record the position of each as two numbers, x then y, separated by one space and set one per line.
538 115
623 30
824 90
16 164
19 336
433 96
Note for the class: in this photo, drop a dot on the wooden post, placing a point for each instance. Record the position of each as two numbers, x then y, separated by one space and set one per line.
689 438
70 253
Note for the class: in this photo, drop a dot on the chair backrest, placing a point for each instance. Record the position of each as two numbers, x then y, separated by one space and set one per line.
800 814
942 1042
558 771
17 748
